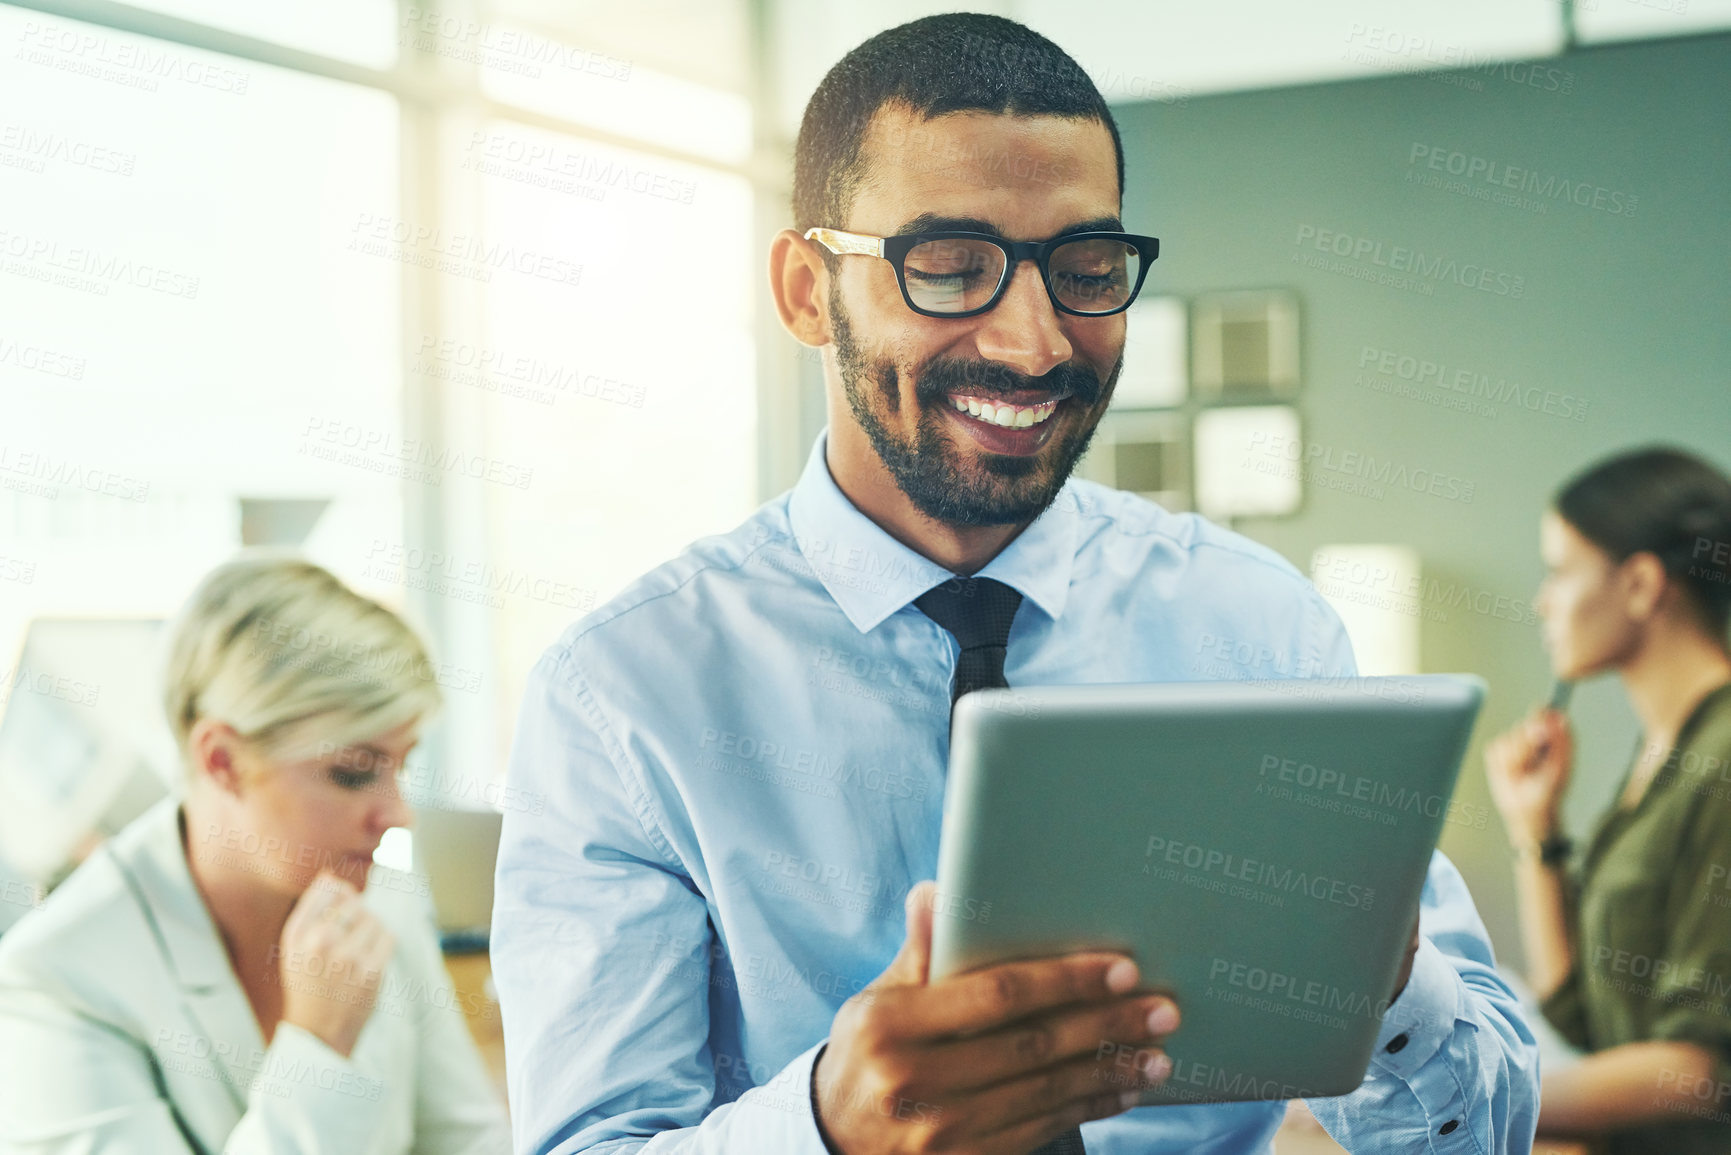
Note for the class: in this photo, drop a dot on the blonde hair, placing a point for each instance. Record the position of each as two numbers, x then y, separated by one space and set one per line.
293 659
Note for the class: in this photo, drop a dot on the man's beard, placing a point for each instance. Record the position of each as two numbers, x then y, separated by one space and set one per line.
1003 489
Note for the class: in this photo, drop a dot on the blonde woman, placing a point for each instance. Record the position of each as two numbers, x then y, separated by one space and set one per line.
231 972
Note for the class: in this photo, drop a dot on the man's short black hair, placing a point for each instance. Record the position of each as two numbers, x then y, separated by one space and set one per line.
955 62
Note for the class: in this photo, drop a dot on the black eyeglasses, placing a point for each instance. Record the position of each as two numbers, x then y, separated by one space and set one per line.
962 274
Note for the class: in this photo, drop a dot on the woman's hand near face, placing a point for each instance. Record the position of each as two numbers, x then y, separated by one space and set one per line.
1528 768
332 959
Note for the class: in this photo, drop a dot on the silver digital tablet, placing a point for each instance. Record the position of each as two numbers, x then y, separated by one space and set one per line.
1259 848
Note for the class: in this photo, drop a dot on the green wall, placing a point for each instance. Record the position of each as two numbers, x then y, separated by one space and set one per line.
1626 311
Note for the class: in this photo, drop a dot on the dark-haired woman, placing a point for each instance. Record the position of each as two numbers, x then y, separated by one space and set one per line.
1632 955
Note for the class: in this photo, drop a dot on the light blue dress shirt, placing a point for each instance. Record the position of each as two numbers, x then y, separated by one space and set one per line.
731 774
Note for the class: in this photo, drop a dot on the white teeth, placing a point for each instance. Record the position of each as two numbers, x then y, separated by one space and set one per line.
1006 416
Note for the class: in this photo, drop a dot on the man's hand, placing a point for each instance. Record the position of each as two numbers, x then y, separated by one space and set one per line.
1406 963
993 1062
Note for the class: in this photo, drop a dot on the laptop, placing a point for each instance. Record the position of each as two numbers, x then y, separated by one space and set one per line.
1258 847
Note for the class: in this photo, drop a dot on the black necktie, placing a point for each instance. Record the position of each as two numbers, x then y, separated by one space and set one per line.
978 611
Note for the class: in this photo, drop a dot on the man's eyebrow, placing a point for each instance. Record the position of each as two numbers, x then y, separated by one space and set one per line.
935 223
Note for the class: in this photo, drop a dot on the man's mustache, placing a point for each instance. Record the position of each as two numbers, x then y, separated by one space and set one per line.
989 379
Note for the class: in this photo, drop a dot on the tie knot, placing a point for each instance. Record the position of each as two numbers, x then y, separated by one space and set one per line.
978 611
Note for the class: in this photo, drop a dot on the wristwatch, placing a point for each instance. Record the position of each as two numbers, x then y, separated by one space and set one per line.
1553 850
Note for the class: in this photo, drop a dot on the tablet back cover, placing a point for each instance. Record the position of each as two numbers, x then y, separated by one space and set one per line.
1259 848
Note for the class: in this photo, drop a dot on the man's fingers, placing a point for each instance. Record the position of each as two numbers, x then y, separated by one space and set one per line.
1071 1092
920 903
1108 1031
993 996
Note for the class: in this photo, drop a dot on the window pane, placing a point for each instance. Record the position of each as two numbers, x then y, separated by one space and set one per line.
530 71
361 31
624 403
1635 19
181 325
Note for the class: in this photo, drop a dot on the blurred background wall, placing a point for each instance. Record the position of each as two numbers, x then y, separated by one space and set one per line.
1622 319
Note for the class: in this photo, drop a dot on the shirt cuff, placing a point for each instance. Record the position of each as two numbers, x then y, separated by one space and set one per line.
1422 1020
780 1115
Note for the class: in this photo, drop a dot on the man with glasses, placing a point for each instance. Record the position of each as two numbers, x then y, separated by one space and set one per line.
714 935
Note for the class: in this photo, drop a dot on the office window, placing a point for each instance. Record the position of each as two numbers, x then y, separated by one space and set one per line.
359 31
180 324
618 386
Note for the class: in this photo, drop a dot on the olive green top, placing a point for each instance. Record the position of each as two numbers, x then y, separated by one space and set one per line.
1652 936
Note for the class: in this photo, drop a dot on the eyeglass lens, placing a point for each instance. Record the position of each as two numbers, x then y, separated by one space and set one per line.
954 275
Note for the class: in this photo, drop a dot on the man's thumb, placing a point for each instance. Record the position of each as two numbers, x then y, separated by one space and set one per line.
913 962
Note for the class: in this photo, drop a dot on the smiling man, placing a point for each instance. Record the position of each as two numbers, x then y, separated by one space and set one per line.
714 935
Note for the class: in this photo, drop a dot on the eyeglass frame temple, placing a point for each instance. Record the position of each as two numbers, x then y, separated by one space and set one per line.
844 243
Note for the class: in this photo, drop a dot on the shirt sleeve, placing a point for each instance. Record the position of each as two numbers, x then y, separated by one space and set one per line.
1455 1066
601 952
1689 985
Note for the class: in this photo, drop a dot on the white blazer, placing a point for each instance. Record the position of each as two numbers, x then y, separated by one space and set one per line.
124 1029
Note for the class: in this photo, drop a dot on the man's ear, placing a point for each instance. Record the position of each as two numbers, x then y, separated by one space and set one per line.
214 750
797 280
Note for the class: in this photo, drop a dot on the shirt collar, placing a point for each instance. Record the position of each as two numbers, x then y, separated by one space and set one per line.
871 575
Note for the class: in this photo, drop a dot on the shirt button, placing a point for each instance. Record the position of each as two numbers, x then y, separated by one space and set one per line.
1396 1043
1449 1126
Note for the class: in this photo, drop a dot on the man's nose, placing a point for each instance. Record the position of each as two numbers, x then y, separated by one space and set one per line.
1022 331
